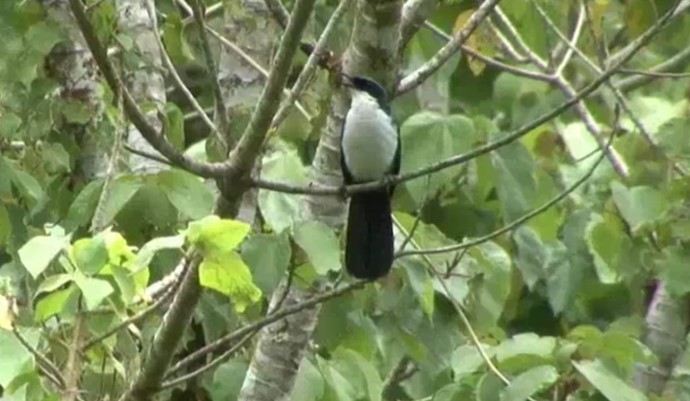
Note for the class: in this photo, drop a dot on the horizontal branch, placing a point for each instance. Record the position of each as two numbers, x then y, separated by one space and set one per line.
250 328
518 222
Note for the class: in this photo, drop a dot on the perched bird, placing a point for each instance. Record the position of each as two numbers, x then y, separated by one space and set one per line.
370 151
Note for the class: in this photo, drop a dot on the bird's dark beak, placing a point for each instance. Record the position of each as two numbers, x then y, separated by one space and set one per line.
346 80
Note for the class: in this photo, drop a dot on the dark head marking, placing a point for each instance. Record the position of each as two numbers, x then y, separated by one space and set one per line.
368 85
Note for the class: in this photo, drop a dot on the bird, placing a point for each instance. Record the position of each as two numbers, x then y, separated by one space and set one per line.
370 151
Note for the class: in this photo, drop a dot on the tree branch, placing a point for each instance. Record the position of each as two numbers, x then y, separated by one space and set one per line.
416 77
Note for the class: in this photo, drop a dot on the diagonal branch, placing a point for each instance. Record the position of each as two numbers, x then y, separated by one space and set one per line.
418 76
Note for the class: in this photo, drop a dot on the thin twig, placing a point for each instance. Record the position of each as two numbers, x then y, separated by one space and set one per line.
516 223
136 318
215 362
50 370
418 76
150 7
241 332
312 61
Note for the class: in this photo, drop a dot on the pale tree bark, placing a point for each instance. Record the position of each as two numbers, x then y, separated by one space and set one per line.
666 326
372 51
146 82
72 66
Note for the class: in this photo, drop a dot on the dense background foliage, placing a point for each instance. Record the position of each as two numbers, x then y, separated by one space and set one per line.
563 254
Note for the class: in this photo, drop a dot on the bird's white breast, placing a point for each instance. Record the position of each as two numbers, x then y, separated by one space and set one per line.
370 139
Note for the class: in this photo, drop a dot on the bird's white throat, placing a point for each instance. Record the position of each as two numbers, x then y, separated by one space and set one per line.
370 139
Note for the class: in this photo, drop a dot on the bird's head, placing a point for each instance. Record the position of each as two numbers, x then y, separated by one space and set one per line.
359 85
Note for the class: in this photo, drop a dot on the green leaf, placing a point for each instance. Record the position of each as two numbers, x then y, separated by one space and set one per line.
76 111
52 283
320 244
420 282
174 125
494 287
82 208
56 158
516 182
15 357
175 40
531 255
5 226
282 210
94 290
268 256
604 238
530 382
9 125
428 137
610 385
187 193
120 192
675 272
227 380
27 185
466 360
89 255
53 304
640 206
213 235
42 37
149 250
229 275
309 385
489 388
37 254
526 344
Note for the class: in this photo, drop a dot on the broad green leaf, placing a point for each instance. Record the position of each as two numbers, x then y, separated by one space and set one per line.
227 274
125 282
362 373
37 254
175 41
42 37
309 385
420 282
530 382
429 137
466 360
82 208
95 290
15 357
120 192
227 380
604 238
56 158
494 287
5 225
568 265
148 251
9 125
89 255
268 256
516 183
451 392
320 244
527 343
610 385
52 283
640 206
580 144
531 255
76 111
674 269
213 235
174 125
282 210
489 387
187 193
53 303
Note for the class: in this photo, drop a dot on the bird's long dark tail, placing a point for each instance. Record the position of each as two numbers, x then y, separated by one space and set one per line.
369 238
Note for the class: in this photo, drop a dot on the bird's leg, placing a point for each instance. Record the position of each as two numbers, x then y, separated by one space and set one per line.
388 181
